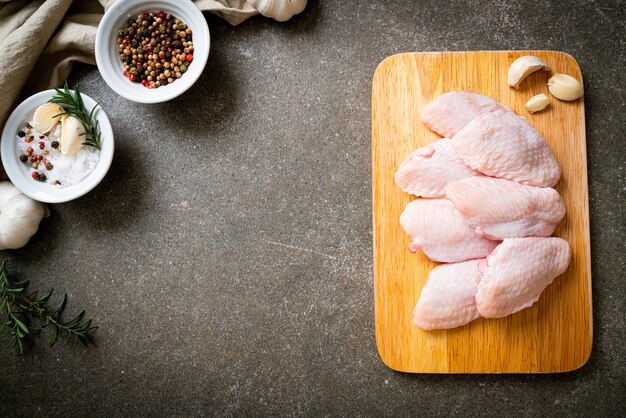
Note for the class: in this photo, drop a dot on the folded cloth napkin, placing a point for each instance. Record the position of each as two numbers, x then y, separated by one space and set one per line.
40 39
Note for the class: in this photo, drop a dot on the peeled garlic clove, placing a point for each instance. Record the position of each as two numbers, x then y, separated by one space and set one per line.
537 103
565 87
523 67
72 135
46 116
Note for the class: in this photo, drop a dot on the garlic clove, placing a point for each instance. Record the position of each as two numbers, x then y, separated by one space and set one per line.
565 87
523 67
46 116
72 135
537 103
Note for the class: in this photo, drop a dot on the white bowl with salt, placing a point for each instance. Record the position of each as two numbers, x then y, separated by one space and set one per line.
72 176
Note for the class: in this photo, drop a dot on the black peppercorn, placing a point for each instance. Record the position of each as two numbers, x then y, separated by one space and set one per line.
155 39
55 144
21 134
42 177
23 158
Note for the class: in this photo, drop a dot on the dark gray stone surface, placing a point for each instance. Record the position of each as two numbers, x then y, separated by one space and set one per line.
227 254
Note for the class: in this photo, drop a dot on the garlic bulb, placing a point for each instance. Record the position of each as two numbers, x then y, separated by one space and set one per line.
280 10
523 67
72 135
19 217
46 116
565 87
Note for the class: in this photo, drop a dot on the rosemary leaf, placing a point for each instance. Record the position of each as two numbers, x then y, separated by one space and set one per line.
72 104
16 304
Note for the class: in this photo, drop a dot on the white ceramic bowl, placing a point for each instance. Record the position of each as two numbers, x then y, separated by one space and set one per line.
108 58
19 173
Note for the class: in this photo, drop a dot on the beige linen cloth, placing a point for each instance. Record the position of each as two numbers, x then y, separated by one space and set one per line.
40 39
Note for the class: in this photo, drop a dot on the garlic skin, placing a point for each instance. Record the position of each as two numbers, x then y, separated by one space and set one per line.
19 216
72 135
46 116
523 67
565 87
537 103
280 10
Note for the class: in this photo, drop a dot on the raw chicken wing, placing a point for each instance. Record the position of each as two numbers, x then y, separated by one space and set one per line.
504 145
515 274
448 298
427 171
438 229
450 112
506 209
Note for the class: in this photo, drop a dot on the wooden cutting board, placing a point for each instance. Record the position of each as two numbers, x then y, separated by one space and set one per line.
555 334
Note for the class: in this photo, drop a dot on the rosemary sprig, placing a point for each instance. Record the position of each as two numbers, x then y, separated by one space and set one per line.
16 304
72 104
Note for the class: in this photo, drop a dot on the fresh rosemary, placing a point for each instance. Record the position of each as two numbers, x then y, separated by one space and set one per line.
72 104
17 309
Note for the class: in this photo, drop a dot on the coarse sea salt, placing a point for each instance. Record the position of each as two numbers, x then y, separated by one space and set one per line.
67 170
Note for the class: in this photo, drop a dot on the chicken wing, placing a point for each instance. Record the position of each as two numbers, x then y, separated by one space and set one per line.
450 112
506 209
442 233
427 171
504 145
448 297
516 273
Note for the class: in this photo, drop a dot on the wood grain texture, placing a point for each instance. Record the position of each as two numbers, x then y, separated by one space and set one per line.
555 334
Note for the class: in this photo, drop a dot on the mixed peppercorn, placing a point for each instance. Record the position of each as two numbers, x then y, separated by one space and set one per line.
36 161
156 49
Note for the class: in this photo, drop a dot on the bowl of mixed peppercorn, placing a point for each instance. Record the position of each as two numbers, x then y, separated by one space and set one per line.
152 51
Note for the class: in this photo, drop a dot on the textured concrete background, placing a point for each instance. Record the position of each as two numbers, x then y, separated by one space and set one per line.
227 254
